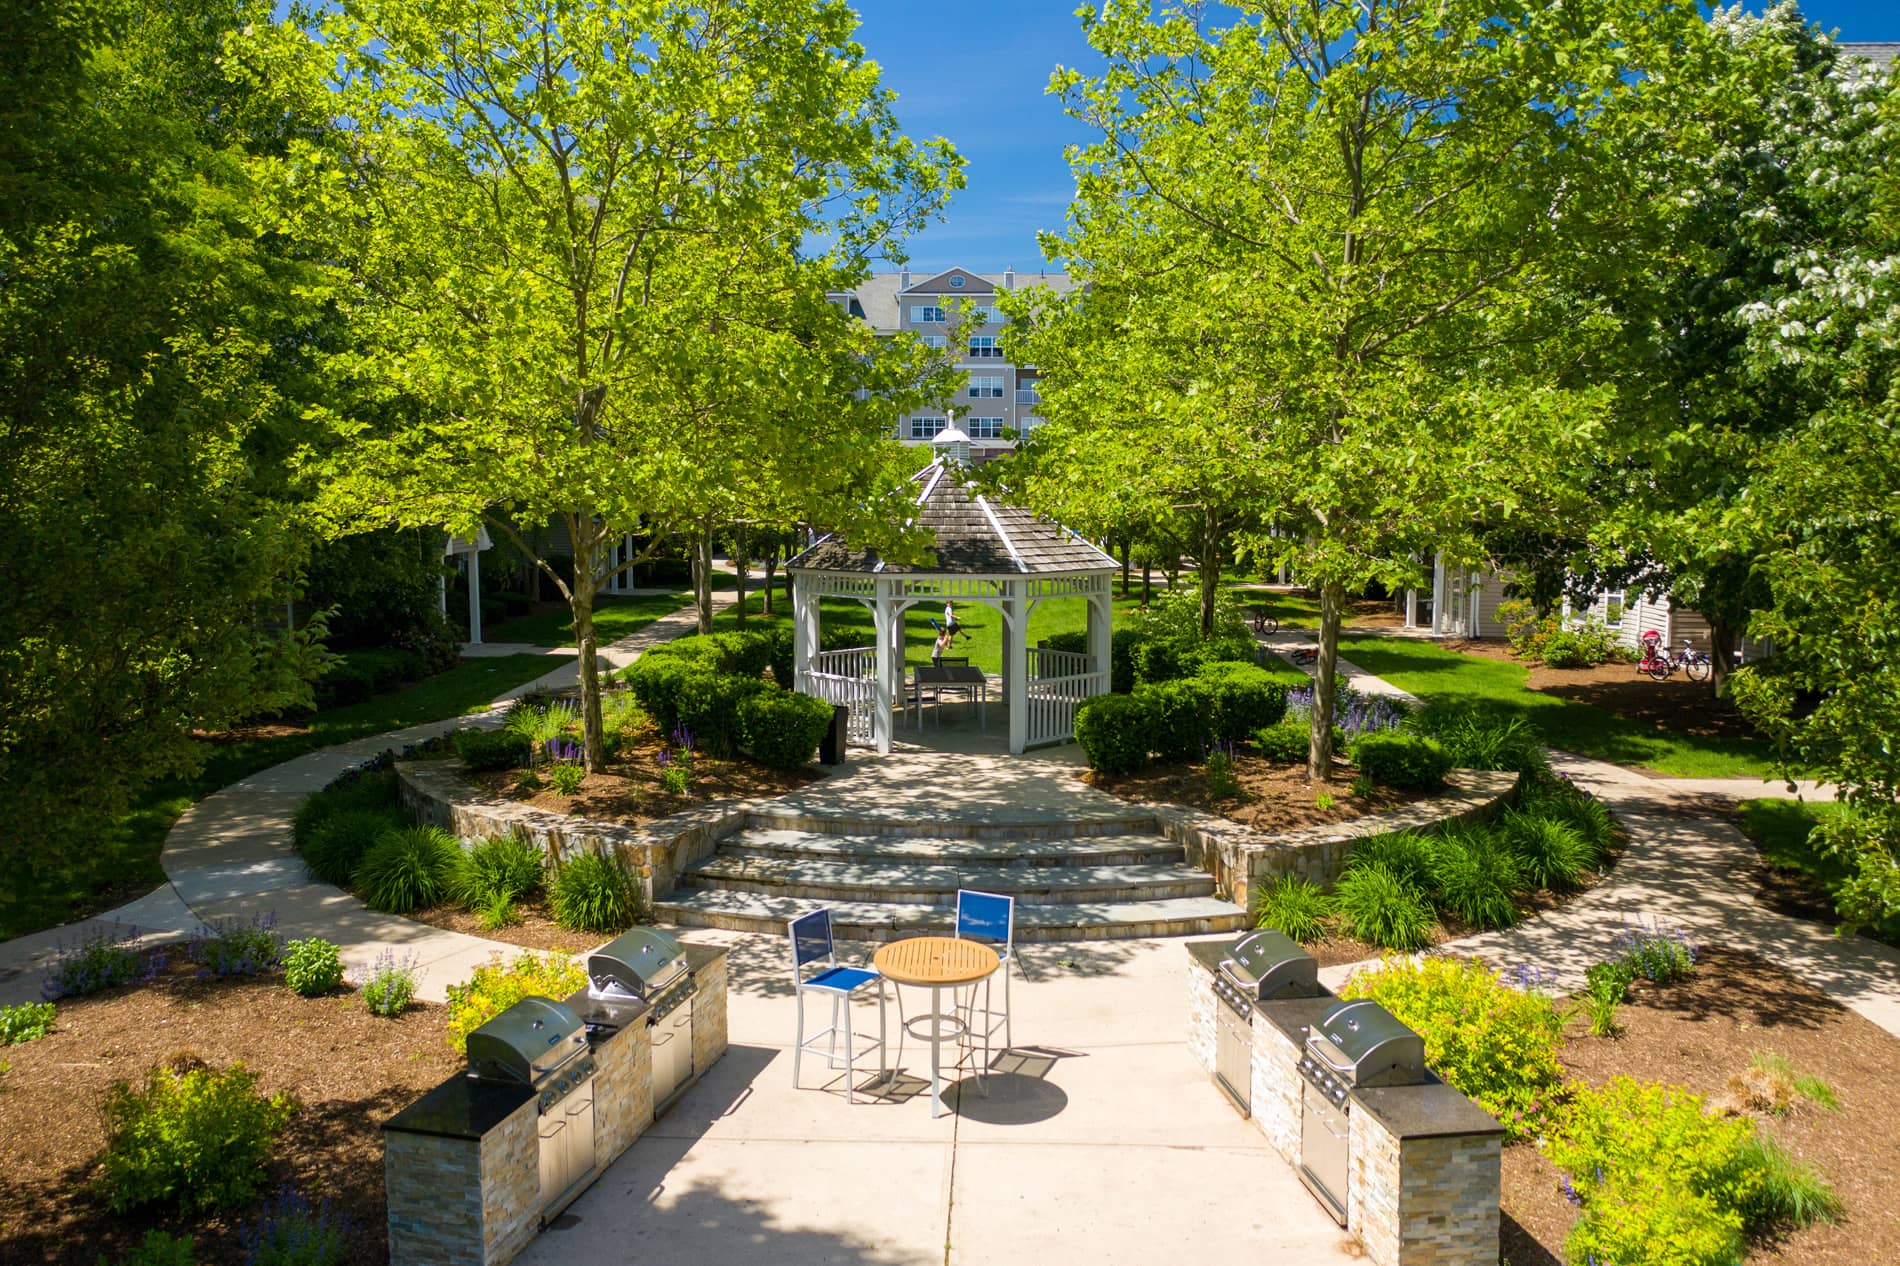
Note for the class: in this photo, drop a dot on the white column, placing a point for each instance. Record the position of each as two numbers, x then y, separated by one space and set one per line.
1438 593
804 628
881 606
475 596
1411 608
1016 666
1101 617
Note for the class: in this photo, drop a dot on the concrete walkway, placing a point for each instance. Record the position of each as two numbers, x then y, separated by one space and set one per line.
230 856
1100 1141
1287 641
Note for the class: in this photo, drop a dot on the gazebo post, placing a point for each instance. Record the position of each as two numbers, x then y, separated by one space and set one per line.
804 628
1101 607
881 620
1016 666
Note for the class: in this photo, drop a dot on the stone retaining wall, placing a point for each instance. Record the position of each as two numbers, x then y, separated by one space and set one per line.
439 793
1239 858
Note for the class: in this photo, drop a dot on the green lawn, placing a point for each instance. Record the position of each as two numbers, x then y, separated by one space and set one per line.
1781 830
1431 672
126 864
614 618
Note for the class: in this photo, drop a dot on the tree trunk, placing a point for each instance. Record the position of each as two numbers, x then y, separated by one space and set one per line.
1319 756
1147 584
581 604
771 568
739 563
1723 638
1210 588
1125 552
702 577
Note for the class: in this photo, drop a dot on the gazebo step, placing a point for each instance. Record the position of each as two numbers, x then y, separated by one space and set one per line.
889 880
1102 850
884 921
965 822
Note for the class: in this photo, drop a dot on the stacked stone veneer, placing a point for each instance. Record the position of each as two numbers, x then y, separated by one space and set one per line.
709 1014
1429 1201
1239 858
623 1092
1412 1201
464 1202
439 793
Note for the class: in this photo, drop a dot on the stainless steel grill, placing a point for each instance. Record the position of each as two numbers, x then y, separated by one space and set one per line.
542 1044
1357 1044
650 967
1257 968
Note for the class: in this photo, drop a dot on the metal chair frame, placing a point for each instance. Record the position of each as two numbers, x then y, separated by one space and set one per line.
812 943
977 924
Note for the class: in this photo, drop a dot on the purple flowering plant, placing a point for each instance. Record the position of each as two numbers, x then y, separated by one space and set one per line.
103 958
237 947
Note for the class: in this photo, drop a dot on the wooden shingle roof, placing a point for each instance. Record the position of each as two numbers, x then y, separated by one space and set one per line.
974 536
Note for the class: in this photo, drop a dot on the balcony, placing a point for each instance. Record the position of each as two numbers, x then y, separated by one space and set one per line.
1027 396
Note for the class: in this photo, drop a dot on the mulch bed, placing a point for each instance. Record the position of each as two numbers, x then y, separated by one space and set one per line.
350 1070
628 791
1700 1033
536 930
1273 797
1677 704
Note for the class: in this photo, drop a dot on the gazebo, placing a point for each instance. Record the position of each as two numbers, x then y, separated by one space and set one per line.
997 555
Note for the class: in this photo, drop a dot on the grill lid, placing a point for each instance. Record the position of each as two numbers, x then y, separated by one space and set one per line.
527 1043
1366 1045
636 964
1271 964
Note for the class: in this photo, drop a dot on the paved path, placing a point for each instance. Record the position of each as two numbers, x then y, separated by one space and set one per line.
1287 641
230 855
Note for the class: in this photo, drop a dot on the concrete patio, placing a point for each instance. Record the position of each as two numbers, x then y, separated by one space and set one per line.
1099 1142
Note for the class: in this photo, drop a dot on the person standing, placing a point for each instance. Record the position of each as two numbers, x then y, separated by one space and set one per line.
949 616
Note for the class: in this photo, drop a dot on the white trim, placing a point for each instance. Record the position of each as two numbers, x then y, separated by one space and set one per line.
1001 535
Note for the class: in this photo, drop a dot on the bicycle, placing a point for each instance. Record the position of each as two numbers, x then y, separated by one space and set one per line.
1658 663
1263 621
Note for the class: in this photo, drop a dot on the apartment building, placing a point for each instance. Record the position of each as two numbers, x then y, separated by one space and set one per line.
956 310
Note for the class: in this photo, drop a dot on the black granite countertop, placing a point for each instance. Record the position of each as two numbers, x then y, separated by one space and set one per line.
1428 1111
462 1107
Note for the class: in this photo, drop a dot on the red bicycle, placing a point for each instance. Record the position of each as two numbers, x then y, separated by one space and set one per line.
1658 662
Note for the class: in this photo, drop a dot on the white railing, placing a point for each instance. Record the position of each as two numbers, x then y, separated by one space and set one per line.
1047 663
847 677
1053 700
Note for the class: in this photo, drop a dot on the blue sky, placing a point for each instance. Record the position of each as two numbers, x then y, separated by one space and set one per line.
976 74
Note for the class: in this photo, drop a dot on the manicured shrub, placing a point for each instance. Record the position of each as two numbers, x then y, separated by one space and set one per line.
1475 877
1113 731
1584 644
104 958
1180 717
1555 796
1123 644
1647 1219
1294 905
193 1136
1549 851
566 777
784 671
407 870
237 947
595 893
498 985
311 967
1525 628
25 1022
371 791
1407 854
511 866
1075 642
389 985
1495 1043
782 728
484 750
1245 698
1286 742
288 1231
1379 907
160 1249
1410 761
339 843
677 692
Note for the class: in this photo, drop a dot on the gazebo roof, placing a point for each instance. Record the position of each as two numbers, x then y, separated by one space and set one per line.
975 536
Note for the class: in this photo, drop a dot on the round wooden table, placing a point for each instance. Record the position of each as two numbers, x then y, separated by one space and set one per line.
936 963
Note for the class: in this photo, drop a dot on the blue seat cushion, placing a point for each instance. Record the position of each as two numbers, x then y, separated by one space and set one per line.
840 979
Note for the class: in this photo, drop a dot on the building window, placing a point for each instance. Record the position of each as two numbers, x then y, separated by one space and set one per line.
985 388
983 428
937 341
925 428
987 314
1027 396
957 281
925 314
983 347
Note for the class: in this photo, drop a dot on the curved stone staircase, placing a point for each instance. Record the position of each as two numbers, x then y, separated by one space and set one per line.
1100 874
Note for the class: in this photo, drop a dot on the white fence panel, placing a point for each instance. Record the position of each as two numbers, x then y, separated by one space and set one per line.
1053 700
847 677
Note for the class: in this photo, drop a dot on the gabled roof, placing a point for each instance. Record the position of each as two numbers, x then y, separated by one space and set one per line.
1881 53
975 536
880 299
947 282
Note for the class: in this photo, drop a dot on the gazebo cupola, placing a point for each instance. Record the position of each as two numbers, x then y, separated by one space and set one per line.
985 552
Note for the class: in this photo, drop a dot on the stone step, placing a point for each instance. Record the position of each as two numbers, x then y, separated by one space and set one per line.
1102 850
964 822
885 921
933 883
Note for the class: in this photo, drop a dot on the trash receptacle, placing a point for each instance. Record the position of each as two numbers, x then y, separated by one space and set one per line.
831 747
